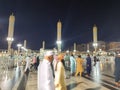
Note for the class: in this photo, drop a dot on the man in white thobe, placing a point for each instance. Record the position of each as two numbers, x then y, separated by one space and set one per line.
45 73
27 66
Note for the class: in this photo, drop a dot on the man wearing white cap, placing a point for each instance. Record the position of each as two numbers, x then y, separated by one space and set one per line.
45 75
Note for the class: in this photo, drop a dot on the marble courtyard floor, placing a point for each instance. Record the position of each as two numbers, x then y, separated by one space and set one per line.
9 77
102 78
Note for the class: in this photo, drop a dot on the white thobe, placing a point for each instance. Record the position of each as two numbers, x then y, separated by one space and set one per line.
45 76
27 63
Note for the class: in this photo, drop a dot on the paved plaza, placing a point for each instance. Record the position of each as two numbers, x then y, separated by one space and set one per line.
9 77
102 78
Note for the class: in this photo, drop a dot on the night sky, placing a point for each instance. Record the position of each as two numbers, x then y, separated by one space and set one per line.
36 20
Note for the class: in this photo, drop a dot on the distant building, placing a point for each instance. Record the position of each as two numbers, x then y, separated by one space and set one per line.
83 47
101 45
113 46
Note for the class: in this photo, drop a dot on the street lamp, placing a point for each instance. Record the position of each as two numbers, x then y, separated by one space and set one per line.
59 45
74 50
88 51
67 51
9 40
19 46
95 46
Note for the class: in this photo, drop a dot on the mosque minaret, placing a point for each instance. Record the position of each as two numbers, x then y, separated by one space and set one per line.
59 29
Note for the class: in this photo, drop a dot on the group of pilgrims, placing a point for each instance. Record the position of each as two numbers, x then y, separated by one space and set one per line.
52 69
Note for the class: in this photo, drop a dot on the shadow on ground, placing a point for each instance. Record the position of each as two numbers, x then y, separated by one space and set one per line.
73 85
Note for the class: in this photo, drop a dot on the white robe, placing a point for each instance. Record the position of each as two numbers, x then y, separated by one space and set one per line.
27 63
60 77
45 76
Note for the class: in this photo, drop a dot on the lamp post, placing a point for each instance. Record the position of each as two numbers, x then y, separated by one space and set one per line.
59 45
67 51
10 40
95 46
19 46
88 50
10 32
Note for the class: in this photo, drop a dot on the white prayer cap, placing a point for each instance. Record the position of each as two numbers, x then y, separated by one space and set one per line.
48 53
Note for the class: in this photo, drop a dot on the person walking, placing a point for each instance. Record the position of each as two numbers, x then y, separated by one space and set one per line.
27 65
88 65
60 74
79 65
38 61
95 60
72 65
67 61
45 73
117 70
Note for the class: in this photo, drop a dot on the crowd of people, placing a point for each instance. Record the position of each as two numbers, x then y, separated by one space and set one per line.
52 69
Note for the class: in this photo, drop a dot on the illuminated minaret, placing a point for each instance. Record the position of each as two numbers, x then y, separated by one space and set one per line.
95 37
59 42
74 47
43 45
25 42
10 31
